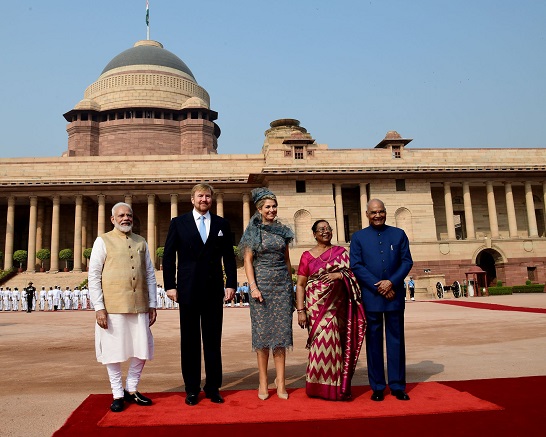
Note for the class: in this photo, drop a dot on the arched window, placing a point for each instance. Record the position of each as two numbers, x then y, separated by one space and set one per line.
403 221
303 223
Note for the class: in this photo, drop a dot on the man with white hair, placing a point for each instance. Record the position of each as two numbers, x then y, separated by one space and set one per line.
123 293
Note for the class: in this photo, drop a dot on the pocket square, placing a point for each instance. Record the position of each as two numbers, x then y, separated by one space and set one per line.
220 234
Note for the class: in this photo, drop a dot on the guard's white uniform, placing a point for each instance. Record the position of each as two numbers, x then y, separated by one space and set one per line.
76 298
85 298
7 299
1 298
67 296
15 297
50 296
159 298
43 295
57 296
24 300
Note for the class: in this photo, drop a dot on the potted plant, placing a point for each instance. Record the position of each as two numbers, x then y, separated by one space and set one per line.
87 256
20 256
159 253
42 255
66 254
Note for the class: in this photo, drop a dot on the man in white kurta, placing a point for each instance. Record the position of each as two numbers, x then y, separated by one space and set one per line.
122 286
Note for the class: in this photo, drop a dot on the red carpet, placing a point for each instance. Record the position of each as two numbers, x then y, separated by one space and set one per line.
428 398
490 306
511 406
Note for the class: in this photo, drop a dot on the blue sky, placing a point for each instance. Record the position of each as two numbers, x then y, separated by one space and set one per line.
468 73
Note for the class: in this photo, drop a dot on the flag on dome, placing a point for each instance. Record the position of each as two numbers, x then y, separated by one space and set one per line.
147 13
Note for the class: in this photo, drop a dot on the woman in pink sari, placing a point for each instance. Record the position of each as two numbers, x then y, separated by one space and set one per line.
329 304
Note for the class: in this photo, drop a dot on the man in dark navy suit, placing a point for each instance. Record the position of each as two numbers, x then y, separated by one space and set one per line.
380 260
202 241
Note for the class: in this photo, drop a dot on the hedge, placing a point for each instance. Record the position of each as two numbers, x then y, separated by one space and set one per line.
498 291
534 288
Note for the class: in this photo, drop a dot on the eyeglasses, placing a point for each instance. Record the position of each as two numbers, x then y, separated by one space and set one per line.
380 212
325 229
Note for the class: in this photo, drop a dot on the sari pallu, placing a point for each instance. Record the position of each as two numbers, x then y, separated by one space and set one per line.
336 327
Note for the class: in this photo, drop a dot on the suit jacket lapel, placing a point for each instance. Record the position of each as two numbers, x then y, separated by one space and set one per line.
193 233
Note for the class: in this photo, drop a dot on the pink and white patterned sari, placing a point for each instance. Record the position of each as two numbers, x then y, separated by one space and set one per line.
336 324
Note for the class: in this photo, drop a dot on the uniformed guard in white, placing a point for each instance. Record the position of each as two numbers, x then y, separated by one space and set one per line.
24 300
67 297
50 297
85 297
57 298
43 296
76 298
15 298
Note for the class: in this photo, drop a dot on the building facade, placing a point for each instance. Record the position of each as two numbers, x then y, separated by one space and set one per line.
145 134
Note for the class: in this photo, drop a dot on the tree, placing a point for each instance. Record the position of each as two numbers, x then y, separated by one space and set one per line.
20 256
159 253
66 254
87 254
42 255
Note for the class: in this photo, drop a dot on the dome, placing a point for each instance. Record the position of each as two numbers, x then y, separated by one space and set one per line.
148 52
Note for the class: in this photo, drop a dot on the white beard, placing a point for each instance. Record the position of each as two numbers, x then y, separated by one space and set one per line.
125 229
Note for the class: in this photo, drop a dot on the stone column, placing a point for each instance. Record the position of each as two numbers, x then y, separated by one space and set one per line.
363 205
531 216
151 226
32 218
492 210
246 210
340 225
40 223
220 204
468 215
84 231
510 210
78 234
449 211
10 226
55 216
101 215
129 200
174 205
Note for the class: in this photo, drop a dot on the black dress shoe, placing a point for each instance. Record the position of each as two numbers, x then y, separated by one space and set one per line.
137 398
117 406
401 395
377 395
216 398
192 399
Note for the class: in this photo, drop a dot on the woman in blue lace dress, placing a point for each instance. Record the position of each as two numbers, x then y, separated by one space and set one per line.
264 248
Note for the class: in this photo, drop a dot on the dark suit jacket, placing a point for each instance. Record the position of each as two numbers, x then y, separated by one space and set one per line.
378 254
199 265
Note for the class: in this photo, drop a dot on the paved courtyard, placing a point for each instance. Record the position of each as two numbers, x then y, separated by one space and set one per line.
49 367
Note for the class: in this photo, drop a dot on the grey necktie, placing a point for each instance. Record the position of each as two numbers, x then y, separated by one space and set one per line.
203 229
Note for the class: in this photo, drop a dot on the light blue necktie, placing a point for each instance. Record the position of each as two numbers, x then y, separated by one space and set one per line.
203 229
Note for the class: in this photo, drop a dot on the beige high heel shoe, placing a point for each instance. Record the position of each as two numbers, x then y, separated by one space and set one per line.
261 396
280 394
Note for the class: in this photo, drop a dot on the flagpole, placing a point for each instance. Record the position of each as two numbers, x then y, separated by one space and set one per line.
147 20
